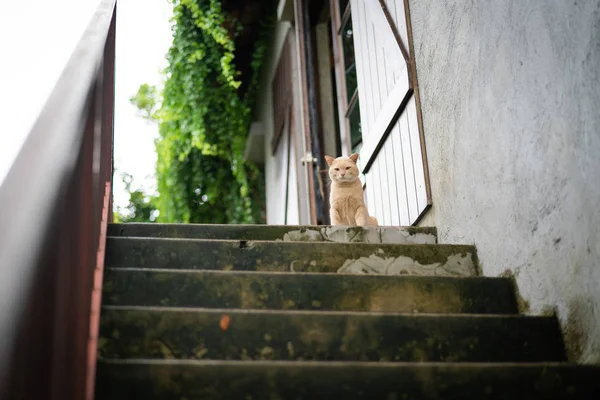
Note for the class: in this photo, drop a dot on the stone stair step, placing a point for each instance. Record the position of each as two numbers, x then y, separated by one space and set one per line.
256 380
308 291
391 259
185 333
386 234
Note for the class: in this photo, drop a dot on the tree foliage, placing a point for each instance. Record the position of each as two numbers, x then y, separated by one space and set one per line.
141 207
146 101
204 120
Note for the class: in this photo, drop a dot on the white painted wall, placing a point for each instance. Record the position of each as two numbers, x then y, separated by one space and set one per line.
275 166
275 209
510 94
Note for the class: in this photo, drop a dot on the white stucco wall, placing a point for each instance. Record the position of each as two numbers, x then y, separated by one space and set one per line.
510 95
276 165
273 177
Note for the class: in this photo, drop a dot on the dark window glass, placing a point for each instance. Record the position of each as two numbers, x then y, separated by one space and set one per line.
351 82
348 43
355 129
349 64
343 5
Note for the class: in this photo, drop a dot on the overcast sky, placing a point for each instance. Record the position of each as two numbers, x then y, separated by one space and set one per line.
36 40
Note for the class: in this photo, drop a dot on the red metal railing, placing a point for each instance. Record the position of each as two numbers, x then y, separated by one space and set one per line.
54 207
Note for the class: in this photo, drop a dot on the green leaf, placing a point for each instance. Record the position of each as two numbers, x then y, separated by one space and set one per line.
204 120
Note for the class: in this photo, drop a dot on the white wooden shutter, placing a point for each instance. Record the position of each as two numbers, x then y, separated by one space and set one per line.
391 156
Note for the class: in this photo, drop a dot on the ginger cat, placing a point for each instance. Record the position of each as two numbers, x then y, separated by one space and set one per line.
347 205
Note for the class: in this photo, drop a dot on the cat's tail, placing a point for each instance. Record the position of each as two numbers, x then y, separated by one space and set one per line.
372 221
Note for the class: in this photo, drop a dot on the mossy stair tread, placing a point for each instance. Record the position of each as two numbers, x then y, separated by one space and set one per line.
420 259
281 312
161 332
220 380
277 232
316 291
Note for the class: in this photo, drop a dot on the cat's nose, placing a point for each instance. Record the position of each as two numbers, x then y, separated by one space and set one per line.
342 173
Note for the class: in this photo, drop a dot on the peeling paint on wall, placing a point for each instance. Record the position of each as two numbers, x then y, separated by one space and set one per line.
456 265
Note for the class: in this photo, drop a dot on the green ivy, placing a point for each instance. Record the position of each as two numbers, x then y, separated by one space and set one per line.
203 121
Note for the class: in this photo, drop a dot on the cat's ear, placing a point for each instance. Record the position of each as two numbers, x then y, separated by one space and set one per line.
354 157
329 160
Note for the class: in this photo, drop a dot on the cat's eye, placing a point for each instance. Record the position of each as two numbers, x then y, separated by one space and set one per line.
337 169
347 167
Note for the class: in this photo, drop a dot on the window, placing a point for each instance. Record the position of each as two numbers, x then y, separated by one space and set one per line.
346 82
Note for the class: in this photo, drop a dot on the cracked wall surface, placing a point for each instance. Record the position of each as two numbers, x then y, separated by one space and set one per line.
510 95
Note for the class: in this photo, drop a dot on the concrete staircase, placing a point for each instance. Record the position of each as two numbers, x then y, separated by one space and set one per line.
281 312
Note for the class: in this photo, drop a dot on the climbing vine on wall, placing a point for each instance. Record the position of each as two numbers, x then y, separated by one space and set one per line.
204 119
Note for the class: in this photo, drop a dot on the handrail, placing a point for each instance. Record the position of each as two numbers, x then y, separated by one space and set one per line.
54 206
